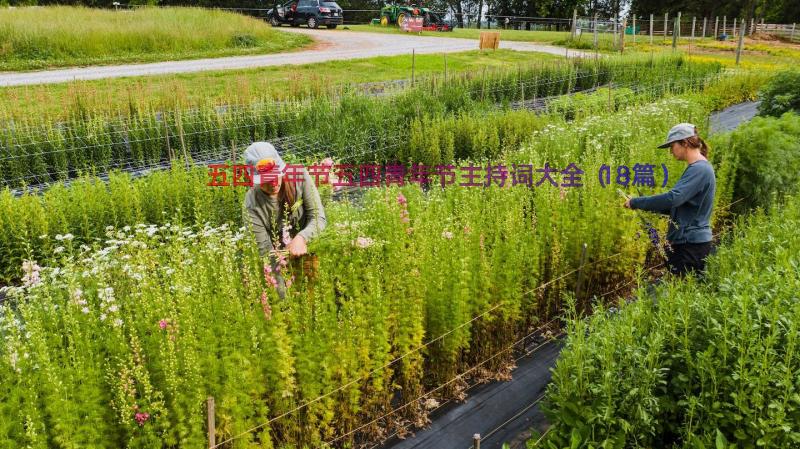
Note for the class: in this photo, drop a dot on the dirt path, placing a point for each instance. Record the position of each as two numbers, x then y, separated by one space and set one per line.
331 45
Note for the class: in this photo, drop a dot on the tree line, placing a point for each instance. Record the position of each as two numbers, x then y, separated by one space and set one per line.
477 11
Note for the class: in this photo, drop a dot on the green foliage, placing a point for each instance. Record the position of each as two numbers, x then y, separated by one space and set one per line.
37 151
708 364
781 94
35 38
189 313
767 159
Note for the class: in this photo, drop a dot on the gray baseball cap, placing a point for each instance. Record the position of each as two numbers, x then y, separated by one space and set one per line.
261 154
679 132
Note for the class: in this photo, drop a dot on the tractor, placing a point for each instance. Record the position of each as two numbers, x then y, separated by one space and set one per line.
396 14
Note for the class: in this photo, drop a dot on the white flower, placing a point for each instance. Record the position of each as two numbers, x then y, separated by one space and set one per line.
102 317
117 322
106 294
113 308
58 250
447 235
85 310
363 242
59 237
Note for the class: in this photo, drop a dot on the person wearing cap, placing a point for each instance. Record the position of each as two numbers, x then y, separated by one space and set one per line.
689 203
283 214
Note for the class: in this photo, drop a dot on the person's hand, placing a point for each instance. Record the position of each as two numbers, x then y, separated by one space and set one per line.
627 203
297 247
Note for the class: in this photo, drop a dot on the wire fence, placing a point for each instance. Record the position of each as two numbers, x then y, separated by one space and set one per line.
418 348
298 146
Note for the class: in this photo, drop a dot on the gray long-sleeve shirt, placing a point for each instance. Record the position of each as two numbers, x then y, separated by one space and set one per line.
688 204
267 216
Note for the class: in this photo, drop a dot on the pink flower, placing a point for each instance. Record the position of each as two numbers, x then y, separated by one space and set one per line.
141 418
363 242
267 269
467 230
327 162
289 281
163 324
265 305
401 200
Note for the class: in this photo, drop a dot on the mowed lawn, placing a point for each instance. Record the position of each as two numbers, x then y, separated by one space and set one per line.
472 33
59 36
116 95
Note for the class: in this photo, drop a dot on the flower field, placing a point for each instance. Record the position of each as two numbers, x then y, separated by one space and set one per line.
41 151
132 299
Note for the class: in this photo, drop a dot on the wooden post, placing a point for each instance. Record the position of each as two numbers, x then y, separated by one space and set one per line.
476 441
633 31
676 30
716 27
413 64
666 25
580 272
595 31
694 21
734 27
739 47
615 33
705 20
166 134
651 29
791 36
622 36
574 23
752 25
724 24
212 423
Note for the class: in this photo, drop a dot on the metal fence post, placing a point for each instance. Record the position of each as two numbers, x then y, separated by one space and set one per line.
476 441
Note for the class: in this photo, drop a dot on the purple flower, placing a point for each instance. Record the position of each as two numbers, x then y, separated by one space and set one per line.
163 324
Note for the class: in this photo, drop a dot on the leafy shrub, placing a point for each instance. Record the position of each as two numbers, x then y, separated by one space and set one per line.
781 94
708 365
767 154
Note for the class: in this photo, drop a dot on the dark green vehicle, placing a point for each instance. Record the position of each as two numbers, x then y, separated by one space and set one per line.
396 14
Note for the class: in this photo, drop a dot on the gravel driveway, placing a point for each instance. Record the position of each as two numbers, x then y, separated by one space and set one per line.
330 45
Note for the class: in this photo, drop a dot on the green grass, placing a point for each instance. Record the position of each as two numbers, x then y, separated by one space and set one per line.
472 33
39 38
242 86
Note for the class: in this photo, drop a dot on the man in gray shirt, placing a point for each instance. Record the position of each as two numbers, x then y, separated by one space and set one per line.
689 203
284 214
